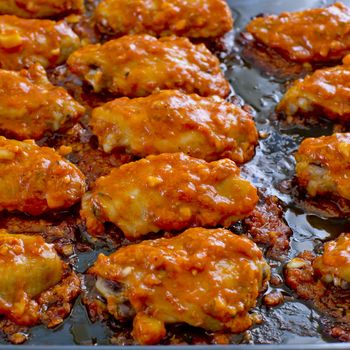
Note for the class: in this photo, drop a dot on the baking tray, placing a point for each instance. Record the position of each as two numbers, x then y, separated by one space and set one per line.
294 325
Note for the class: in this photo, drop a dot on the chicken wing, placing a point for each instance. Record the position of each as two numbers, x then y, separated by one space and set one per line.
312 35
171 121
137 65
323 165
40 8
191 18
27 41
326 91
36 179
28 267
205 278
30 105
168 192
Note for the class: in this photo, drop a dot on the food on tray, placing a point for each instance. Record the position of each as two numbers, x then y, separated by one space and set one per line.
312 35
27 41
325 92
40 8
171 121
31 106
205 278
168 192
192 18
323 165
36 179
137 65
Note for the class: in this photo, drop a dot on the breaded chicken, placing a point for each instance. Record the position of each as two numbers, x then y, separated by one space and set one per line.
40 8
137 65
312 35
326 91
30 105
323 165
191 18
168 192
171 121
27 41
205 278
36 179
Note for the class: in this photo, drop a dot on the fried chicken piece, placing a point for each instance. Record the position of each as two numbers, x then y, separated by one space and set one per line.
36 179
313 35
27 41
30 105
40 8
323 165
137 65
326 91
191 18
205 278
28 267
168 192
171 121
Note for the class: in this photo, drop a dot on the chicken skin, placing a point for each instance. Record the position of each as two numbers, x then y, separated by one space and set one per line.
30 105
36 179
171 121
205 278
27 41
40 8
313 35
168 192
137 65
28 267
191 18
326 91
323 165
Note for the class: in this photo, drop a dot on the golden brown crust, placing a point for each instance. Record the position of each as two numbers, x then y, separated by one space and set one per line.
27 41
191 18
30 105
171 121
308 36
36 179
168 192
206 278
137 65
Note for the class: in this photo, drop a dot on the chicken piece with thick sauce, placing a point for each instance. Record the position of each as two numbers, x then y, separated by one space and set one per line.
325 92
171 121
31 106
40 8
313 35
323 165
191 18
137 65
168 192
27 41
205 278
36 179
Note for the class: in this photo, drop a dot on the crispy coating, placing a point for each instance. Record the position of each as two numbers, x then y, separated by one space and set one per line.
206 278
326 91
40 8
171 121
191 18
312 35
27 41
30 105
36 179
137 65
168 192
323 165
334 264
28 266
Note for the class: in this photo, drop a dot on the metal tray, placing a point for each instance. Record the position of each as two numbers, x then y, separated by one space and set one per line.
293 325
